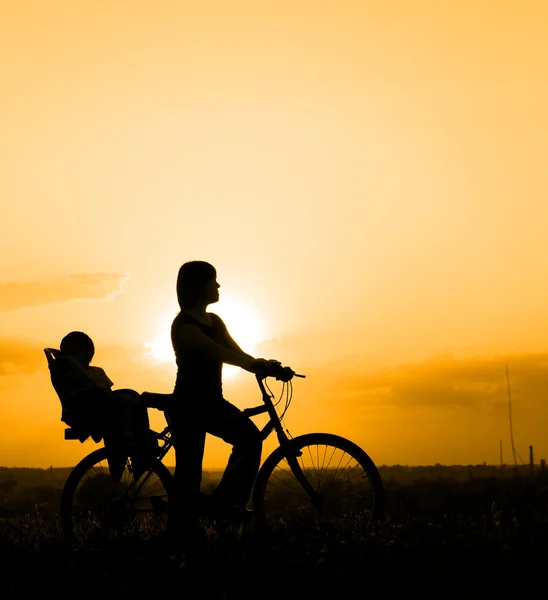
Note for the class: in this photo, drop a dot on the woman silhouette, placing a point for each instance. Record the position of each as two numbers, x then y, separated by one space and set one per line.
202 344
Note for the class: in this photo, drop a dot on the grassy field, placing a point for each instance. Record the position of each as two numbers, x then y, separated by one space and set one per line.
442 537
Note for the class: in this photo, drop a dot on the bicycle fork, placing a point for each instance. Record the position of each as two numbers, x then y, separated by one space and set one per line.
300 476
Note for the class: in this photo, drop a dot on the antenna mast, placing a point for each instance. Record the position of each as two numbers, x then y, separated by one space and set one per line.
515 453
501 463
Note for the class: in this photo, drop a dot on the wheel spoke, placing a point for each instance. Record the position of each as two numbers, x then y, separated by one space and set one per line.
289 482
93 502
345 481
285 492
338 465
343 468
324 465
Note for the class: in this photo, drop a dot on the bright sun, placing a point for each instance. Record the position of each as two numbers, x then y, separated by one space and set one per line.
242 320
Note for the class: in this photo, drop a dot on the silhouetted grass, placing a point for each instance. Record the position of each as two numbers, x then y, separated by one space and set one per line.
440 538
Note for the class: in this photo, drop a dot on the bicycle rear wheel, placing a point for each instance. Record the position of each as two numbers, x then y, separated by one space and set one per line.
341 479
96 505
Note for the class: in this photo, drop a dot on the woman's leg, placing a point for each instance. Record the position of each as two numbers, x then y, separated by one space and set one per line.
230 425
189 444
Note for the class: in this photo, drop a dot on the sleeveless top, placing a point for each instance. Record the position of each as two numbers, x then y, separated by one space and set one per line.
199 376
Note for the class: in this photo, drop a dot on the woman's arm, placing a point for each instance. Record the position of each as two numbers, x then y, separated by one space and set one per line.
191 336
232 345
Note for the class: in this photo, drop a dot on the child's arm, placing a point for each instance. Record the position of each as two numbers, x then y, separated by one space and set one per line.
99 377
75 371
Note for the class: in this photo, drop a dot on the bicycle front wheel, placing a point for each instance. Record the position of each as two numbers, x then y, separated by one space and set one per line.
340 481
95 504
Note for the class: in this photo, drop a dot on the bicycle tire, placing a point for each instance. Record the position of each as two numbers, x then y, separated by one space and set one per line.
94 505
362 499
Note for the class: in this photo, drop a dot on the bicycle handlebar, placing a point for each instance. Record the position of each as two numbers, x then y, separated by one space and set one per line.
280 373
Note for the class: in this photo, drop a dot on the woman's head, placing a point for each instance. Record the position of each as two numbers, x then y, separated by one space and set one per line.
80 345
196 282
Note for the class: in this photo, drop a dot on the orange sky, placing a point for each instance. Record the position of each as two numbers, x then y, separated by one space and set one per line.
368 178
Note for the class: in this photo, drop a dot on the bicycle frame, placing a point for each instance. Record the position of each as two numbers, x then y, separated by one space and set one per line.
291 451
274 424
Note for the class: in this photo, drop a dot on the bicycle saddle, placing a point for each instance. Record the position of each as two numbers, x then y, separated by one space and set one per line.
156 400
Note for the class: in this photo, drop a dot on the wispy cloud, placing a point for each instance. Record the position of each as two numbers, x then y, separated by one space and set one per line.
81 286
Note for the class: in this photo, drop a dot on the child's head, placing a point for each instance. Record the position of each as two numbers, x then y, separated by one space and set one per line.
79 345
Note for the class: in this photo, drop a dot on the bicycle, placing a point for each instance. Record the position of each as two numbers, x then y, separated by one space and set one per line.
318 475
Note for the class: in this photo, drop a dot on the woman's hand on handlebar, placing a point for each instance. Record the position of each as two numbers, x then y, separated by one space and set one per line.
272 368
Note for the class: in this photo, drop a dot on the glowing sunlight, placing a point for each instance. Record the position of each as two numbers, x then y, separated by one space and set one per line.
160 348
242 321
244 325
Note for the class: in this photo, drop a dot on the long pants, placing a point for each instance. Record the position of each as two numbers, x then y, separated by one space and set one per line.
223 420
